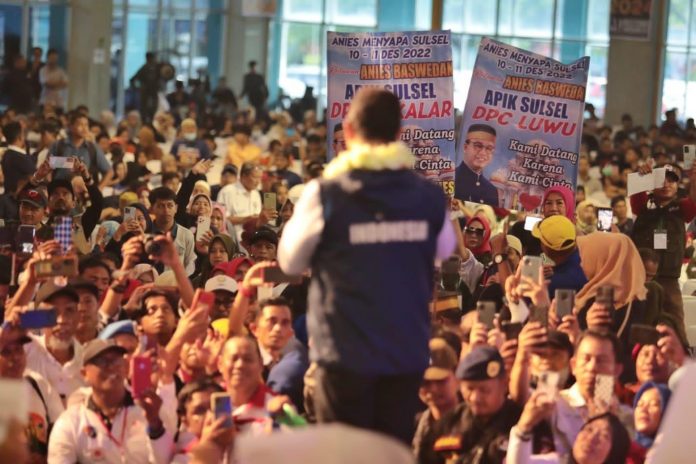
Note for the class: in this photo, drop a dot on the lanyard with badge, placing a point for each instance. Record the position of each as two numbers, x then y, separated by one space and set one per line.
660 236
120 443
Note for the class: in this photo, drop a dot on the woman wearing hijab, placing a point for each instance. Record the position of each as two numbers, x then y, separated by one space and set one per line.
649 407
586 221
477 234
557 200
612 260
220 250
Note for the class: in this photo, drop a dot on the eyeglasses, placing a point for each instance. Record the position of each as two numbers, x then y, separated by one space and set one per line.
474 231
478 146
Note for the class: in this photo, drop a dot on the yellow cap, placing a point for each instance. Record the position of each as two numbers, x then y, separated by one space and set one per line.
556 232
222 326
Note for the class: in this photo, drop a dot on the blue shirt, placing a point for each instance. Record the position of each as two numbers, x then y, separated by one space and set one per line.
568 275
84 153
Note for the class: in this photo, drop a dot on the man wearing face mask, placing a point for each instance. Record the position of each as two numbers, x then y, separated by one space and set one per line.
189 145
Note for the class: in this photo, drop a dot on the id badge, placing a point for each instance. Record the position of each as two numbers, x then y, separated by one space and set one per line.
660 239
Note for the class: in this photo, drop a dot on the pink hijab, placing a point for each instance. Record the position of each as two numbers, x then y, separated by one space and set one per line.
568 199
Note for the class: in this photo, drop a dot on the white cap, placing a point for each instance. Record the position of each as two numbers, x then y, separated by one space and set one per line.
221 282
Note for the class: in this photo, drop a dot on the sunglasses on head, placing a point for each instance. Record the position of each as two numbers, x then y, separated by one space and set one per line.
473 230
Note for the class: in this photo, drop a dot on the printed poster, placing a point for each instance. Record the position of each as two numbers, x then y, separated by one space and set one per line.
630 19
417 67
521 129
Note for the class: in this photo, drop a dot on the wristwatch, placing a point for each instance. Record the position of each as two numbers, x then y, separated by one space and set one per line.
497 259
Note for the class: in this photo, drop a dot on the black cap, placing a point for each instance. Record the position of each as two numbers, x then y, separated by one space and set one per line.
264 233
560 340
482 363
50 290
80 283
60 183
230 169
33 196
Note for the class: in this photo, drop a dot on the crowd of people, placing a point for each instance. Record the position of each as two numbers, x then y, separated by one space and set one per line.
175 283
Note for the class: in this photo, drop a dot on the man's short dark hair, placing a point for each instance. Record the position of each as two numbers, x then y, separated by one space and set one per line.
167 176
242 128
274 143
375 115
51 51
617 199
277 301
313 138
91 262
50 126
252 63
195 386
163 194
482 128
338 127
247 169
605 336
12 132
74 116
155 292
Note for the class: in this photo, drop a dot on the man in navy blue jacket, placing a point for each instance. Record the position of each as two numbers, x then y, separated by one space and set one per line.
371 233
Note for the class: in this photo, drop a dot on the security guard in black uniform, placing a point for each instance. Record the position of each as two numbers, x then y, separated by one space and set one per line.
477 431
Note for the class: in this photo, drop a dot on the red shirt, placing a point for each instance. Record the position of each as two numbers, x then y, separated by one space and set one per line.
687 207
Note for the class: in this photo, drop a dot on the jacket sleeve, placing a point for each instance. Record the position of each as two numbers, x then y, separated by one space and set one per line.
190 258
92 214
303 231
184 195
638 203
62 444
168 410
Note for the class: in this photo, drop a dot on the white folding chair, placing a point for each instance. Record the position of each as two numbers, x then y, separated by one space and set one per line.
691 335
689 287
689 310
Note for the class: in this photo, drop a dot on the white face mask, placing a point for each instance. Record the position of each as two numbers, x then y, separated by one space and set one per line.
190 136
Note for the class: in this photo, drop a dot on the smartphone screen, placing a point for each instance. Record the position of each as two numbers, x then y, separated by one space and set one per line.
202 227
547 382
142 375
486 313
565 300
128 214
605 217
61 162
511 329
689 156
269 201
221 405
529 222
643 334
202 297
25 239
38 319
531 266
540 315
603 391
276 275
605 295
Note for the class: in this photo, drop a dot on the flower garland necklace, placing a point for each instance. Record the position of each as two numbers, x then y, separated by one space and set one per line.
394 155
